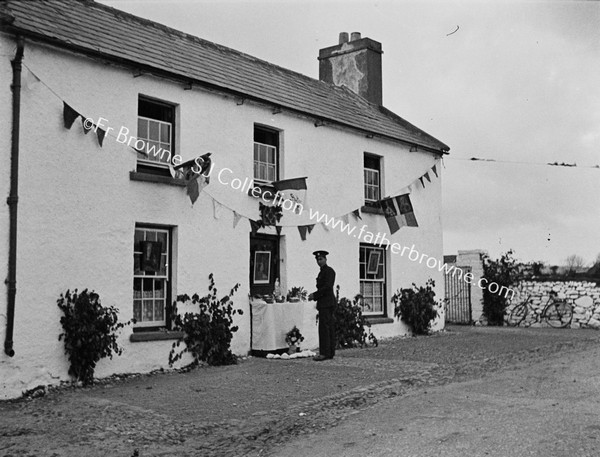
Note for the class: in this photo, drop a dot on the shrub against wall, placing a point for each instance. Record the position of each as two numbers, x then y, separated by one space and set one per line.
207 333
504 272
89 332
417 307
350 324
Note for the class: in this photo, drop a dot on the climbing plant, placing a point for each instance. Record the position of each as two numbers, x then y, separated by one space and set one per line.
89 332
207 332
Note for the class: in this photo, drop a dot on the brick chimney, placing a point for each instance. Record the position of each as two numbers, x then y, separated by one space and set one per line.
354 63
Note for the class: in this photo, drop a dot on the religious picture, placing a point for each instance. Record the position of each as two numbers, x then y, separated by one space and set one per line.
262 267
150 259
373 264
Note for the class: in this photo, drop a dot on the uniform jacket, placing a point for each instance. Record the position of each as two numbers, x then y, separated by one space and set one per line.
325 281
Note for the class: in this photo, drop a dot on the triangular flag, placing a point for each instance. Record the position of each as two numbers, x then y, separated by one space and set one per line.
427 176
101 133
421 179
398 212
310 227
192 190
31 80
356 213
434 169
69 115
302 229
254 226
86 129
236 219
216 209
278 229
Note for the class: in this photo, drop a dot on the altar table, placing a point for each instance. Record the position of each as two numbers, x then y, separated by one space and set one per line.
271 321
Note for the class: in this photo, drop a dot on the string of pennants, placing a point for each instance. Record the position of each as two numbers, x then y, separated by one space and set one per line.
397 210
70 115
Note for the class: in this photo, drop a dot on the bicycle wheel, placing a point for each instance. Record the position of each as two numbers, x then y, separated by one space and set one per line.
558 314
518 314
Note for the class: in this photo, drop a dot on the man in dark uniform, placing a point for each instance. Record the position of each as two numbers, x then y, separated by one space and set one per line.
326 306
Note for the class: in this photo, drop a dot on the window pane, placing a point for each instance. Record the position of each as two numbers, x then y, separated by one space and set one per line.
263 153
153 133
148 310
165 133
162 238
159 310
271 155
137 288
137 310
142 128
159 290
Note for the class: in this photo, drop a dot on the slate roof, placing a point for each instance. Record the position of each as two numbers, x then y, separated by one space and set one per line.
96 29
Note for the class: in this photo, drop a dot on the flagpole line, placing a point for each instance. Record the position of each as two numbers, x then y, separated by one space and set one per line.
516 162
395 193
63 100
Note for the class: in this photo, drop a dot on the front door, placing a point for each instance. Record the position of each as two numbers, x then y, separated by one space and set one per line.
264 263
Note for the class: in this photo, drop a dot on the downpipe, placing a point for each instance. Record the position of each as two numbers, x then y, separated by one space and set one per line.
13 198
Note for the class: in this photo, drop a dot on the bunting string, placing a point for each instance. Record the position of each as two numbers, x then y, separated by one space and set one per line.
70 114
194 188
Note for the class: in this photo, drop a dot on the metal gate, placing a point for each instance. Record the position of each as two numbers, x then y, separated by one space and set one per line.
458 297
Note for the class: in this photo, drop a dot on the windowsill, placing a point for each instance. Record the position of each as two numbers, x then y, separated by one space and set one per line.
139 337
376 320
147 177
371 209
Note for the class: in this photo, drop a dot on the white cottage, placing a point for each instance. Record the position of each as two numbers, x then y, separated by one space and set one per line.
83 205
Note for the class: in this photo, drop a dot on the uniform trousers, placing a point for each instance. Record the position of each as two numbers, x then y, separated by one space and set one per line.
327 332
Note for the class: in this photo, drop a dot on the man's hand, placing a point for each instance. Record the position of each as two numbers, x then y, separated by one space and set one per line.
310 297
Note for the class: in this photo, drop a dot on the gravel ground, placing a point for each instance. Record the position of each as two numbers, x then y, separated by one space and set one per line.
249 408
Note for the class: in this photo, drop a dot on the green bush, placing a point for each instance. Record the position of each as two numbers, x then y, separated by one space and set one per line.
504 272
207 333
88 332
416 307
350 324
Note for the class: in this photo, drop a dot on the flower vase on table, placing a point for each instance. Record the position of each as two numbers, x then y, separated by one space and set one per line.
293 338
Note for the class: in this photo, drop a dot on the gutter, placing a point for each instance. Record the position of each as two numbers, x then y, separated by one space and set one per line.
13 197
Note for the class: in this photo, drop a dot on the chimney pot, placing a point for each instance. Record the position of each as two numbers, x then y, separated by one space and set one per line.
343 37
355 36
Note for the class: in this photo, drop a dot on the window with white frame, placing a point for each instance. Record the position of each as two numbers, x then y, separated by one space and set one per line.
372 278
151 276
156 122
372 178
266 154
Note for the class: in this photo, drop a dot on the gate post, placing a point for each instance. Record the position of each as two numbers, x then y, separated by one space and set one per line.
474 259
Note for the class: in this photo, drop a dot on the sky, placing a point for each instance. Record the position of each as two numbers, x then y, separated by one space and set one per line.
513 82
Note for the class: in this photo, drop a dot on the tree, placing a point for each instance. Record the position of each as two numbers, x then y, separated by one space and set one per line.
573 263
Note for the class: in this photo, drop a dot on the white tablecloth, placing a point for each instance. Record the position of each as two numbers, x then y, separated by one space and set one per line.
271 321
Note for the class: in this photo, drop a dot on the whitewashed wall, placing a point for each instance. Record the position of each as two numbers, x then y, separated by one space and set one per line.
78 207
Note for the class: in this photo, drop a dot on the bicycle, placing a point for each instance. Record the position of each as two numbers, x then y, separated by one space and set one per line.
556 312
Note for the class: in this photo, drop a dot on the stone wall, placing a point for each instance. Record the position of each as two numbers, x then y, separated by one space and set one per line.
582 296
